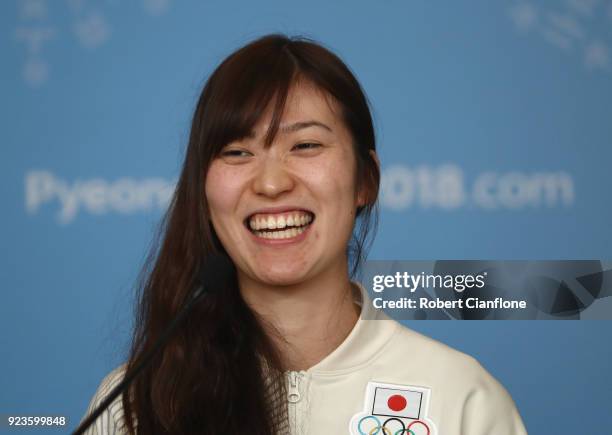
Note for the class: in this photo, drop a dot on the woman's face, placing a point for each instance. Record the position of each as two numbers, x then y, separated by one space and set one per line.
285 214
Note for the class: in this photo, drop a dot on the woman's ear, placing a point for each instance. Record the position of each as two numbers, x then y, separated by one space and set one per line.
374 157
368 190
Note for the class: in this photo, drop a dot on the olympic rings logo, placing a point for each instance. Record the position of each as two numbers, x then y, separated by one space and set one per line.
376 430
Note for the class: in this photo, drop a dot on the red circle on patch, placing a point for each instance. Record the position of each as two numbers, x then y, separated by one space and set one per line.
396 402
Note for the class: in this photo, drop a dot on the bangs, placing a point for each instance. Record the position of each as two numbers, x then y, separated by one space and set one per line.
245 87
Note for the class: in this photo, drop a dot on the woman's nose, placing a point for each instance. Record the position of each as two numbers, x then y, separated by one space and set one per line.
272 178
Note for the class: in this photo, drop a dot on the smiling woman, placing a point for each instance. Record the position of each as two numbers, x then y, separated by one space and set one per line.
281 177
294 194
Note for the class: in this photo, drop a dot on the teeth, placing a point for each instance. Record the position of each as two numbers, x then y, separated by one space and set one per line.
284 234
271 222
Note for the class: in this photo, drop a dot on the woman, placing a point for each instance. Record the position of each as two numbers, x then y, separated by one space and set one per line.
281 175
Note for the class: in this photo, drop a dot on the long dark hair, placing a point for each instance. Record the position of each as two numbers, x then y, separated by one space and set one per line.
220 373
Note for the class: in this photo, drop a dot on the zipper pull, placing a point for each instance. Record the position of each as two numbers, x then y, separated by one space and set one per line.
293 395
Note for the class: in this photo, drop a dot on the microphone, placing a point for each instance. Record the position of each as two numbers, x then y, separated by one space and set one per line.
212 277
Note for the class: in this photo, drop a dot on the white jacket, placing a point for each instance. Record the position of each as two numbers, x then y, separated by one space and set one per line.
383 379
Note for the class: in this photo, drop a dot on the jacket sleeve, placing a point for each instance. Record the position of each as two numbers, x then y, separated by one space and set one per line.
489 409
109 422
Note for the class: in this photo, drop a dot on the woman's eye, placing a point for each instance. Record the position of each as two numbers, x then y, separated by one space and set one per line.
307 145
234 153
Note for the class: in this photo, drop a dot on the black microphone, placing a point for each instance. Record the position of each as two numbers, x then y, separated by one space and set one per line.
213 277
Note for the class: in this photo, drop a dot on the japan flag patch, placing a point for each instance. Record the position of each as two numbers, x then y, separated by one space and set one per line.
391 409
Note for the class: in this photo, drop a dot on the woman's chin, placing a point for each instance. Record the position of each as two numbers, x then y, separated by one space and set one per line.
282 276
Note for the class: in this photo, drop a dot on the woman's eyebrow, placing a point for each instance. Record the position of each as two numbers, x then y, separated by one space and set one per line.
303 124
291 128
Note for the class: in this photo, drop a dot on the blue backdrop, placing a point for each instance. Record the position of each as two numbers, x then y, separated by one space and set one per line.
493 123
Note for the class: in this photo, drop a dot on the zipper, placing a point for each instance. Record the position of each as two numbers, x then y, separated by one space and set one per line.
293 393
295 396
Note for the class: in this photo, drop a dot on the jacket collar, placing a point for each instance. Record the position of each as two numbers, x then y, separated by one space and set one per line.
365 342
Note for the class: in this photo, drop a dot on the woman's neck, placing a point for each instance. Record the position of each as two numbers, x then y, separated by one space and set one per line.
306 321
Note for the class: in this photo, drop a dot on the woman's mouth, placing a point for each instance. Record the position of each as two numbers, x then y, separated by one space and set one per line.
279 226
